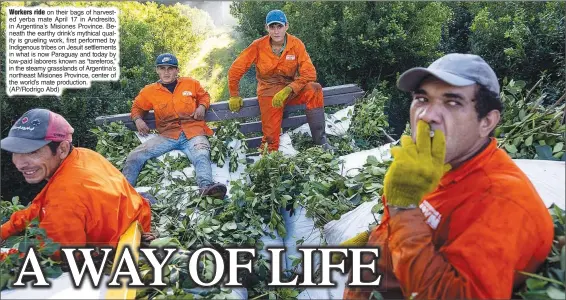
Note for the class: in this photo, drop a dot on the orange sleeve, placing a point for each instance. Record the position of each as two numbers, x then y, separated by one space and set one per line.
480 263
140 106
65 221
19 221
239 67
307 71
203 97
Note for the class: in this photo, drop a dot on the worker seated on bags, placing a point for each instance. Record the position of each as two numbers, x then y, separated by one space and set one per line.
179 104
285 76
461 219
86 201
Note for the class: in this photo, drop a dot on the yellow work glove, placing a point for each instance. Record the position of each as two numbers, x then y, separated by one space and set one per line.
235 103
417 168
281 96
357 241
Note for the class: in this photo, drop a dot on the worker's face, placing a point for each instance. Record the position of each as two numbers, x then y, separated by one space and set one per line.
451 109
167 74
40 164
277 31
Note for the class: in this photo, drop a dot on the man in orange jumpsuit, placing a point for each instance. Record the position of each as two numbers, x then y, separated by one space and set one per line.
285 76
86 201
179 104
461 219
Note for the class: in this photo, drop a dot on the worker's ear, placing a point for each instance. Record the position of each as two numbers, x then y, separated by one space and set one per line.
63 149
287 26
489 122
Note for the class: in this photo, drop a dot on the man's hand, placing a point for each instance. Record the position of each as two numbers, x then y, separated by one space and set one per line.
147 238
142 127
416 169
281 96
235 103
199 113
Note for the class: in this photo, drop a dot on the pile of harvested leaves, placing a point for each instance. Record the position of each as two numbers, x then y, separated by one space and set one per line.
549 282
529 129
311 179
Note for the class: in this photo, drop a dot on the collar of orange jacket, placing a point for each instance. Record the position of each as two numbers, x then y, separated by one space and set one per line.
471 165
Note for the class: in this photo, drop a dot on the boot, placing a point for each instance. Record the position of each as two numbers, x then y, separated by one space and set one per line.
316 120
215 190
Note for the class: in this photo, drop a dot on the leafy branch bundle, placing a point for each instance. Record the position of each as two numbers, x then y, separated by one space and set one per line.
11 261
549 282
369 122
530 130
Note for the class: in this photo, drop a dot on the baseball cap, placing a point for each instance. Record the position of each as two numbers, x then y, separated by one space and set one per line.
455 69
35 129
166 59
276 16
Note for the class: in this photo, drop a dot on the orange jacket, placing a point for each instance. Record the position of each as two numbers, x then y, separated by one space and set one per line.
483 224
173 111
87 201
293 68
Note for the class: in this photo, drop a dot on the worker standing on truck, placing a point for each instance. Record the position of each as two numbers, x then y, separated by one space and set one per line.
86 201
461 219
179 104
285 76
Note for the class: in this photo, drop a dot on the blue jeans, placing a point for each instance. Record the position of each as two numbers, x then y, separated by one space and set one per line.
196 149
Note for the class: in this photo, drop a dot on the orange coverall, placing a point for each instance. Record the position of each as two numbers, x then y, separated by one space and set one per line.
173 111
293 68
483 224
87 201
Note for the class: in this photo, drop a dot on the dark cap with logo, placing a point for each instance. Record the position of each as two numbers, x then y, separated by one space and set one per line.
167 59
35 129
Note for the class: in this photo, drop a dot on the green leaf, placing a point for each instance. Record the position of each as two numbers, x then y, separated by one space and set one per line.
555 293
536 284
529 141
25 244
13 240
207 230
53 272
522 114
230 226
544 152
49 249
558 147
510 148
287 197
4 279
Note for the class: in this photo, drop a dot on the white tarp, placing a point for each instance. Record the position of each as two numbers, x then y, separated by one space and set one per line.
548 177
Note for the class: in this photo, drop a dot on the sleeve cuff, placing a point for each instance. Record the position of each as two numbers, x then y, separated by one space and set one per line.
7 230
